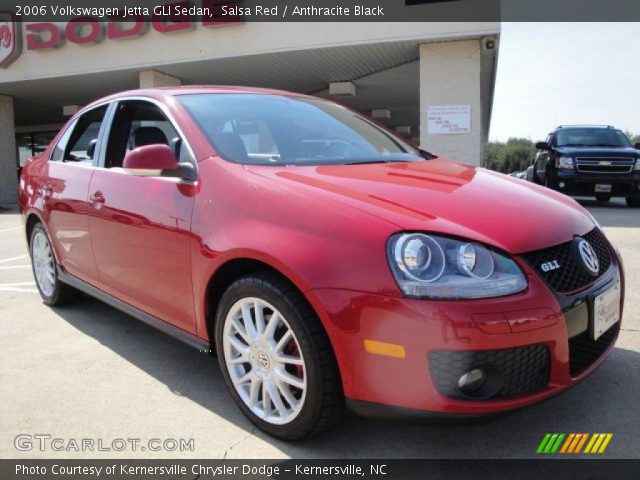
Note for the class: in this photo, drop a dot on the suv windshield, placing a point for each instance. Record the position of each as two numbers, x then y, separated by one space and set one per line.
591 137
277 129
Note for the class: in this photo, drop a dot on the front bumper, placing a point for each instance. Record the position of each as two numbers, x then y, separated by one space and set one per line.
578 183
534 317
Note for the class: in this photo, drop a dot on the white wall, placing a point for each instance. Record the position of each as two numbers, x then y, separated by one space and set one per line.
450 75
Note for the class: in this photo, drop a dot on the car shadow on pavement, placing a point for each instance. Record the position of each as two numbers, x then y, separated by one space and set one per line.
604 402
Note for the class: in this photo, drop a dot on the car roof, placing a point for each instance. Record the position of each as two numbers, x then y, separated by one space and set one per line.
595 127
161 93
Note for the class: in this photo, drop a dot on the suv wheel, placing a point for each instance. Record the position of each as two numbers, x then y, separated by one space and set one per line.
276 358
45 272
603 198
634 201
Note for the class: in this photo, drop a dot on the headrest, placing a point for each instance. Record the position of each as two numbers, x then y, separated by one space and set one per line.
142 136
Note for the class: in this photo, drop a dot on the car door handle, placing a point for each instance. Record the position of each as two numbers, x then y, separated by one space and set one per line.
97 198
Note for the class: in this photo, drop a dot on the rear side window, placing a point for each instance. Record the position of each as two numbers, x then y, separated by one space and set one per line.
79 143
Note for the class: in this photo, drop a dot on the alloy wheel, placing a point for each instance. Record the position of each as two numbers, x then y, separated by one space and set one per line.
43 263
264 361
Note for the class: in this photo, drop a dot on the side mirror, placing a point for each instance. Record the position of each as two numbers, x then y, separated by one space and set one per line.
150 160
543 146
637 146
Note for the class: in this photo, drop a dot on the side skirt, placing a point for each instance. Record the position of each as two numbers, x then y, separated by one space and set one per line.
186 337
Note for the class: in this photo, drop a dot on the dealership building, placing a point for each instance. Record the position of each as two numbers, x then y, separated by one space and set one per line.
431 82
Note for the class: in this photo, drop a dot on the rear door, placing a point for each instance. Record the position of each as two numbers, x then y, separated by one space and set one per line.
66 190
140 226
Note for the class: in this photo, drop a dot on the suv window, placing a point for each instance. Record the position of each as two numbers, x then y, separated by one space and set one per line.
140 123
591 137
80 141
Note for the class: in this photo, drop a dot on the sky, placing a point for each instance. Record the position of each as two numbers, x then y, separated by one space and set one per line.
551 74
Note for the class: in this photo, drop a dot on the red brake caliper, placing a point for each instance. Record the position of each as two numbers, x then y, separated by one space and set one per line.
292 349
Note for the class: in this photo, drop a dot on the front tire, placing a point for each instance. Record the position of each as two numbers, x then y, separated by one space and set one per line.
633 202
45 272
276 358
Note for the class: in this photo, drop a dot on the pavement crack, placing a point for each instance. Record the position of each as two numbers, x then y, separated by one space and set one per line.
228 450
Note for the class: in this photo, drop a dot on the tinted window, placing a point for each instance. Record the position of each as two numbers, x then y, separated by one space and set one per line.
276 129
591 137
79 143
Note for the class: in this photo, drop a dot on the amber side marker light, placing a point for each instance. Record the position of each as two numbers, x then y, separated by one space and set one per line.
383 348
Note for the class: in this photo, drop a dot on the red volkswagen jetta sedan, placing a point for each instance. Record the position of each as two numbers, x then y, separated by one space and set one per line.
327 261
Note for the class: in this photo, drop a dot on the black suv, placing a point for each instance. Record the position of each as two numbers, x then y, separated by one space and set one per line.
589 160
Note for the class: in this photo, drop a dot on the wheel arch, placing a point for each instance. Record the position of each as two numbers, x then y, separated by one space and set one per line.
31 220
32 217
231 270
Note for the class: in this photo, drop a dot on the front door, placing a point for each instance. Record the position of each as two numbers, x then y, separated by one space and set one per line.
140 226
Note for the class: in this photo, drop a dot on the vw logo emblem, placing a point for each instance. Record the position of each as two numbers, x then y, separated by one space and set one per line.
263 360
588 256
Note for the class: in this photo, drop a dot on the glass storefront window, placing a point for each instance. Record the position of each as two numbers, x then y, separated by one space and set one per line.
32 143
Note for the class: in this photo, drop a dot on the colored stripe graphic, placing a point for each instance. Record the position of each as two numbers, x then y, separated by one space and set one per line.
543 443
550 443
573 443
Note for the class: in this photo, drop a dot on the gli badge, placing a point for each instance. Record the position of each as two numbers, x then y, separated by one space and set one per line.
587 256
10 39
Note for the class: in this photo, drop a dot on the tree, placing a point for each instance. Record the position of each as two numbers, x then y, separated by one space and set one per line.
513 156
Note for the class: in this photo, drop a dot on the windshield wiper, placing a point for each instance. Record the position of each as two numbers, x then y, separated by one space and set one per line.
365 162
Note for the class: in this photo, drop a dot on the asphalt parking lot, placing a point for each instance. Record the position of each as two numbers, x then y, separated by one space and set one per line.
89 371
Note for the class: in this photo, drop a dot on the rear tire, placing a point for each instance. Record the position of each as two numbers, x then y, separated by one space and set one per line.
45 271
633 202
299 374
603 198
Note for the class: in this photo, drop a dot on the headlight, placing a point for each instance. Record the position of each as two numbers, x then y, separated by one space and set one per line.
637 167
564 162
439 267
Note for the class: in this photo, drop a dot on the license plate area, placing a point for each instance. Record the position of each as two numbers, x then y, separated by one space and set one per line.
603 188
605 311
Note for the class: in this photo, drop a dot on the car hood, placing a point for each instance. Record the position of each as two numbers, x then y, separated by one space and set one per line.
446 197
628 152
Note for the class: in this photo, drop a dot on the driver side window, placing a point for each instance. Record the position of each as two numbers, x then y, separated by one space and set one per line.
137 124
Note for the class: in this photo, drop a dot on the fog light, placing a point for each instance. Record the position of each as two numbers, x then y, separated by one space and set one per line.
561 184
472 381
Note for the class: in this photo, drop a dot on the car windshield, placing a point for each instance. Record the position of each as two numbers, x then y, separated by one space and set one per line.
288 130
591 137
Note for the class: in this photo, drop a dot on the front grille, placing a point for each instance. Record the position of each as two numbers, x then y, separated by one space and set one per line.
604 165
522 369
571 275
583 351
